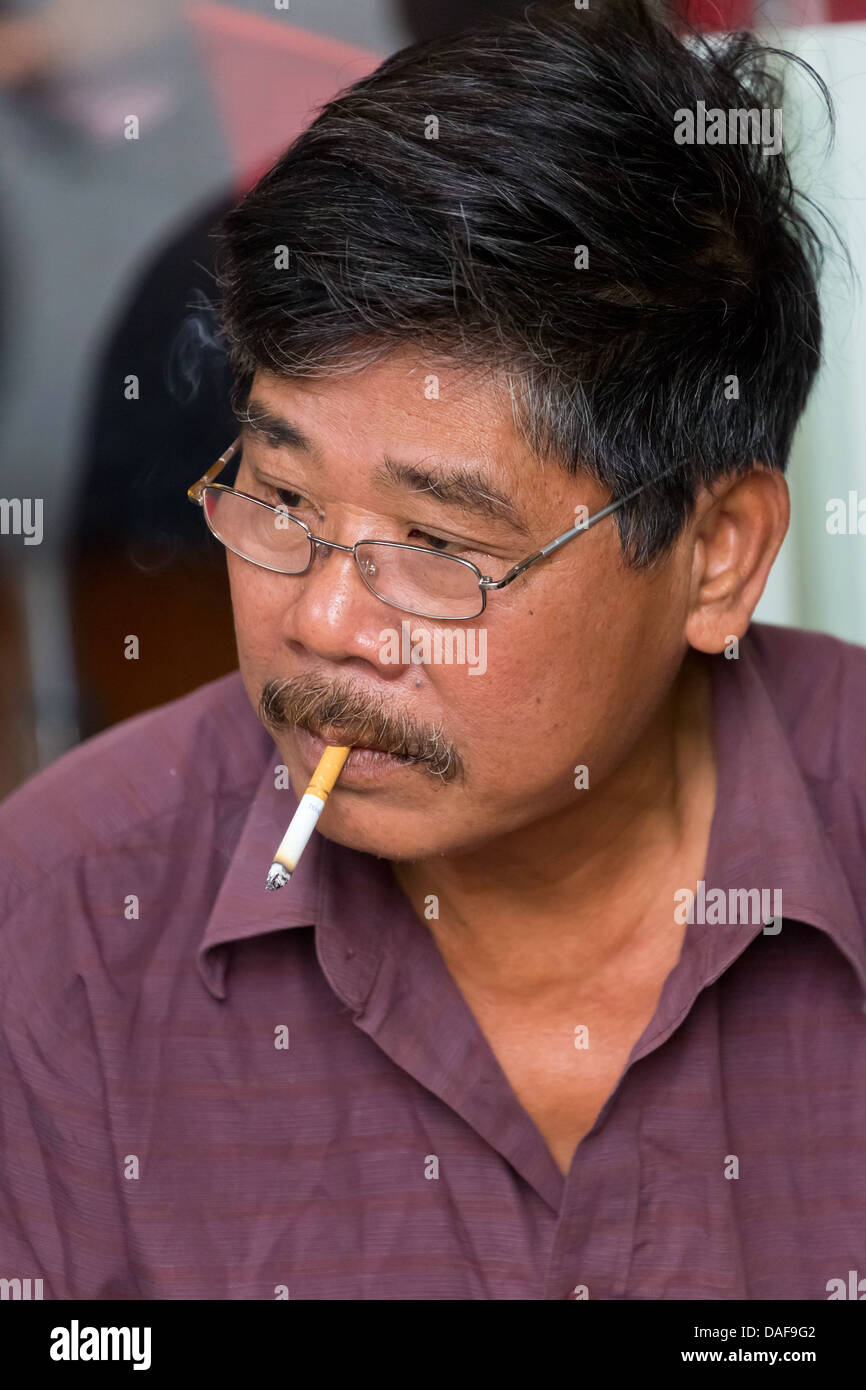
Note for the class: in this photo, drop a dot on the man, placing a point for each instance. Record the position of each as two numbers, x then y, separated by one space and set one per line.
565 997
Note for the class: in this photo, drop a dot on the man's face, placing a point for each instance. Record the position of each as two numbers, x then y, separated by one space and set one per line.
565 667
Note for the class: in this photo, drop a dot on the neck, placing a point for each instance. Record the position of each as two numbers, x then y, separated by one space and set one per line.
568 895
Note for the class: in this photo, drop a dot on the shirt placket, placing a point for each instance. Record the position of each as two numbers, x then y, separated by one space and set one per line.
594 1240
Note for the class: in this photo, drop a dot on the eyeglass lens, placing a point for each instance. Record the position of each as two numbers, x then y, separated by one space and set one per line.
420 581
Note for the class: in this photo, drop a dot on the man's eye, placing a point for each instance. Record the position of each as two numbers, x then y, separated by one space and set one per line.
293 501
445 547
434 542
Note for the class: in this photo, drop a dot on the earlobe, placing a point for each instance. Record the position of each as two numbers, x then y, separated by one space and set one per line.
712 632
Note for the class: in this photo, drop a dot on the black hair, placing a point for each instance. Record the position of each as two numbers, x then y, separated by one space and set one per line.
551 131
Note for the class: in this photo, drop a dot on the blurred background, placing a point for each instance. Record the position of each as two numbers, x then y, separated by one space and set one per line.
113 399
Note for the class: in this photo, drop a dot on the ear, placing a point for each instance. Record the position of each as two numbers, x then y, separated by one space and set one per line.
737 530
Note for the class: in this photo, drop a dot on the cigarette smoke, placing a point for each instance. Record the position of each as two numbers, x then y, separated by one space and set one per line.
197 351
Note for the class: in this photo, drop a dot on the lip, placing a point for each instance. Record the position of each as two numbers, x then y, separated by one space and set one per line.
363 766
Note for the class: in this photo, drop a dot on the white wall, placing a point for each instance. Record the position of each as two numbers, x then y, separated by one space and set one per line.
819 579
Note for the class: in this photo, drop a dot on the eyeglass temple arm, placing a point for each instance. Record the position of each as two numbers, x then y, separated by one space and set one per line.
571 533
194 493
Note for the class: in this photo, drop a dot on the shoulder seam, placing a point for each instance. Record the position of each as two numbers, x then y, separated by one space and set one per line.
106 851
29 1003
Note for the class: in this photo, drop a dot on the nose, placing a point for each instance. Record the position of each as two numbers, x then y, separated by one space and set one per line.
323 548
363 562
333 615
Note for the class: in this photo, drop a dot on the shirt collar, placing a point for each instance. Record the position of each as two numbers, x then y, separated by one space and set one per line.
328 876
766 833
243 906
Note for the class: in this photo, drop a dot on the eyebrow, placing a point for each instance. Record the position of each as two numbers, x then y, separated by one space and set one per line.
272 429
453 486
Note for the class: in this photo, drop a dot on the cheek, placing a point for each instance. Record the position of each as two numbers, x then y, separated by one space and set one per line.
257 610
511 708
555 686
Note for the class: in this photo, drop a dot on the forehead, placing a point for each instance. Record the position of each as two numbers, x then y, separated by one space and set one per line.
416 408
422 399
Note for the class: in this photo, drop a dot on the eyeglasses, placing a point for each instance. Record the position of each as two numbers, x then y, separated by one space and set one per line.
428 583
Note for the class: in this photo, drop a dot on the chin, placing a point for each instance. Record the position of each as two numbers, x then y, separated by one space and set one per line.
401 834
380 839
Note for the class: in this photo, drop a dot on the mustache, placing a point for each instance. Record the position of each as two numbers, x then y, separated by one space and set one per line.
314 703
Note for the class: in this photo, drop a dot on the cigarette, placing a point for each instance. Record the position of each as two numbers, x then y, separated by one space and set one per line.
303 822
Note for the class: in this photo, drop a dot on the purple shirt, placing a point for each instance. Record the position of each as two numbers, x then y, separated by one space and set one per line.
160 1142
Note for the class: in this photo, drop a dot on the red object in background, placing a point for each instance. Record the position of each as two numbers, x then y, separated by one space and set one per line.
267 78
714 15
